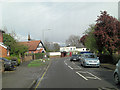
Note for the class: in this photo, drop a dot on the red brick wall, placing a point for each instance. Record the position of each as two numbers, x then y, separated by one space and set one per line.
1 37
3 52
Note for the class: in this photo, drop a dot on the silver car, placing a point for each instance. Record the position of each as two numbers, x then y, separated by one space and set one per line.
90 59
117 73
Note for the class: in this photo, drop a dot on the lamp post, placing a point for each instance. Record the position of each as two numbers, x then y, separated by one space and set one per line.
43 33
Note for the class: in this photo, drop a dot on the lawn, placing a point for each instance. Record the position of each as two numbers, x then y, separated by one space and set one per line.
38 62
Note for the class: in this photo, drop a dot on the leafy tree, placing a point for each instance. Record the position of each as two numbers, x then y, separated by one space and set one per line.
15 48
107 33
9 41
90 41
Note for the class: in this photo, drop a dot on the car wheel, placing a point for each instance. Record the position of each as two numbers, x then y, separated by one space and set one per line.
116 78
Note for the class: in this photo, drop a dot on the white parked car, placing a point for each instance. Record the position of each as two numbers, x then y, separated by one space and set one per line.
117 73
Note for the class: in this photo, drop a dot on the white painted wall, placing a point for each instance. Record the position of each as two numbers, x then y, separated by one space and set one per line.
54 53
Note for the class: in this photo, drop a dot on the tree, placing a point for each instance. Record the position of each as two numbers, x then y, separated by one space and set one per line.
90 41
15 48
50 46
56 47
73 40
82 39
107 33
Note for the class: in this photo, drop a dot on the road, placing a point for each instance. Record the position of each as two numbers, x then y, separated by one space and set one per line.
62 73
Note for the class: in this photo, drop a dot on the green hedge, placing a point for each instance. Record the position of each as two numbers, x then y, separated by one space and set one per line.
39 55
116 57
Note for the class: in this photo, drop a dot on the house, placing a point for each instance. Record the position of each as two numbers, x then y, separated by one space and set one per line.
4 50
67 51
34 46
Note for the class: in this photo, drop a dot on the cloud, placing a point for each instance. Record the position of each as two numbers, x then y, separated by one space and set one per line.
63 18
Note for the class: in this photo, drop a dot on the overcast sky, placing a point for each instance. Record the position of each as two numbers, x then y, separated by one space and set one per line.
62 18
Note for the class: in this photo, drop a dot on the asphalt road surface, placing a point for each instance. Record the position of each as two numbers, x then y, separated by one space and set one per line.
62 73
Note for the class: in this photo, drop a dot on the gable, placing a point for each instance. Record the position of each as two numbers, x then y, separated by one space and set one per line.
39 46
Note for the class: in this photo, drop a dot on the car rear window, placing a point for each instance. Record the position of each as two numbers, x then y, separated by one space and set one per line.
90 56
74 55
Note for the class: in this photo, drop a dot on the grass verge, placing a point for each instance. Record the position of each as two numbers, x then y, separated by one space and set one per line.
38 62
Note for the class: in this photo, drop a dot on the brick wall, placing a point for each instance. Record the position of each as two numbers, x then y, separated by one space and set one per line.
1 36
3 52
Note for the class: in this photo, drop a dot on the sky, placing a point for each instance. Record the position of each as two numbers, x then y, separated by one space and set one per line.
52 21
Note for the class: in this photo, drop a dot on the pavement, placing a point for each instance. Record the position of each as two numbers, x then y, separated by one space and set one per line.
23 76
108 66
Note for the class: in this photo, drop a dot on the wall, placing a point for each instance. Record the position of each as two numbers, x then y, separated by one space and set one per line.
1 36
54 54
3 52
27 58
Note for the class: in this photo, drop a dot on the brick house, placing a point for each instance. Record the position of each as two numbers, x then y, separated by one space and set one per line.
35 46
4 51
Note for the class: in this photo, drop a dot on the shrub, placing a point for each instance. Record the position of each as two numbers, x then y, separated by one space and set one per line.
116 57
105 58
39 55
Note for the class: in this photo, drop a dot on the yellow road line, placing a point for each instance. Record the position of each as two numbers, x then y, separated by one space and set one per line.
43 76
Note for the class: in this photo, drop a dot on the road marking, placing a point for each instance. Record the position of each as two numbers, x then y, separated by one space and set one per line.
65 63
70 67
82 76
94 75
43 75
87 77
76 68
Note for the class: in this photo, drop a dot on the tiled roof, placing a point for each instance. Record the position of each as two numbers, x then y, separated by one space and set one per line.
32 45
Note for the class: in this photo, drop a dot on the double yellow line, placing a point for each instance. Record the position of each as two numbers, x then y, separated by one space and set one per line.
43 75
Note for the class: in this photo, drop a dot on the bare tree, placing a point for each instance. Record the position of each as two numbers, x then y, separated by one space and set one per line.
74 40
56 47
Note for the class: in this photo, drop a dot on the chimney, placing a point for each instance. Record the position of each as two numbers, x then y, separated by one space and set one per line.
1 36
29 37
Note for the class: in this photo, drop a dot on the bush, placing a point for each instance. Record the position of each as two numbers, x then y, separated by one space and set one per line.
116 57
105 59
39 55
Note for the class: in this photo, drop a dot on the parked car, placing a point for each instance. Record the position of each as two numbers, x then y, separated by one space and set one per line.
117 73
74 57
7 64
79 56
14 61
90 59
